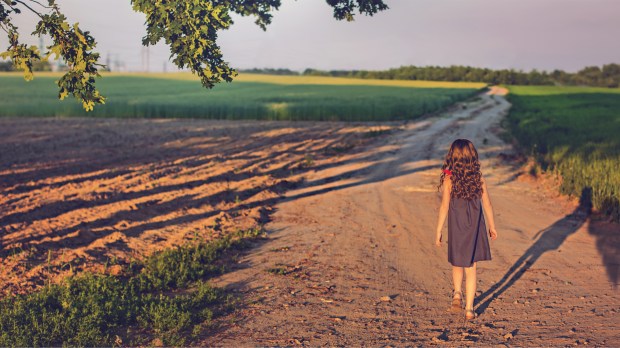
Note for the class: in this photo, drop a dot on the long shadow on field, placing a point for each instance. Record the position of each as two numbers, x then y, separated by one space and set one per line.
153 208
126 166
551 238
94 154
56 208
100 145
608 245
61 162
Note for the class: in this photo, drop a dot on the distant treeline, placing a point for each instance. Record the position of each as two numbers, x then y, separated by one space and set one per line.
607 76
269 71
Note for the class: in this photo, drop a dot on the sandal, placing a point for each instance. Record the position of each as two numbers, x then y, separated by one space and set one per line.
457 302
470 314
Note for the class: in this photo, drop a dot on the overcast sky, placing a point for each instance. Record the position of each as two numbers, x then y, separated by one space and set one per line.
520 34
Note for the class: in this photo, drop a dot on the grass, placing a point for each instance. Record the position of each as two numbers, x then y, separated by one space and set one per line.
261 97
165 298
574 132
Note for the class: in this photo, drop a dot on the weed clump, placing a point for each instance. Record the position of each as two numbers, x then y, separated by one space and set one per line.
572 132
166 297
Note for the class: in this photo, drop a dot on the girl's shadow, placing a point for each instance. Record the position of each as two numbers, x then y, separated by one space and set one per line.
550 239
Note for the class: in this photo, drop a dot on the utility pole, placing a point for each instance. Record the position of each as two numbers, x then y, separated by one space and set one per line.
117 63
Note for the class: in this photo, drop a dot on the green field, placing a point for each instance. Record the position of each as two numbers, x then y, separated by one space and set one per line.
575 132
260 97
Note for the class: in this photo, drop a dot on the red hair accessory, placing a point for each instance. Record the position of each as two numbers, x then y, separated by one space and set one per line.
447 171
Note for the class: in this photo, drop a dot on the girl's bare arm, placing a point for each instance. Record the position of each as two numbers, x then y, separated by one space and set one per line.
443 209
488 209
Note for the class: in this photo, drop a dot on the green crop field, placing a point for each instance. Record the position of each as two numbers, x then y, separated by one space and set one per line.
574 131
260 97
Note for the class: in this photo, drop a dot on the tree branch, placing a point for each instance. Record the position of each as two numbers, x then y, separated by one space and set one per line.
40 4
30 8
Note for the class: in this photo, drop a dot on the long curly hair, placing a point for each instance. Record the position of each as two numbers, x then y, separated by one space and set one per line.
462 162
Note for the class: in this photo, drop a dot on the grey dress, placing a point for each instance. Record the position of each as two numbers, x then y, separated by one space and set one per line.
467 233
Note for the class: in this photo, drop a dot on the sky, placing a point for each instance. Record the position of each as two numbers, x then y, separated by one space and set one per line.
517 34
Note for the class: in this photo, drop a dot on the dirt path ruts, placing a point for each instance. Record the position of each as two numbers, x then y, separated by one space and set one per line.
79 193
350 259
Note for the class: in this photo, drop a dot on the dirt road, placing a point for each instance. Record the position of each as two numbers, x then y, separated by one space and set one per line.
350 258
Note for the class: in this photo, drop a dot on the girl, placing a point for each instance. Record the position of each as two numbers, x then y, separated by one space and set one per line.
464 197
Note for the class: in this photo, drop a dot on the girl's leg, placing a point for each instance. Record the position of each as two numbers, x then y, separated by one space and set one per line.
470 286
457 295
457 279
